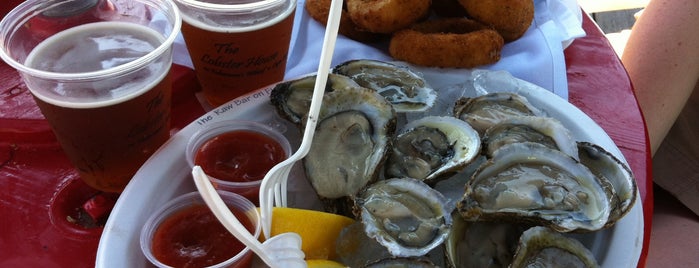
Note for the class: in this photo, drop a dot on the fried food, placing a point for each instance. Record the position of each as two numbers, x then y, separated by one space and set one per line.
511 18
319 10
448 8
387 16
448 42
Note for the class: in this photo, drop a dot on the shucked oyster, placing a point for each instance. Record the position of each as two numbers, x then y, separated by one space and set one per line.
350 144
485 111
432 147
606 165
404 215
292 99
531 183
481 244
543 130
351 139
542 247
405 89
403 262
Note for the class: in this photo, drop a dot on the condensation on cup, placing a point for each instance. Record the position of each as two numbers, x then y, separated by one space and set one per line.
237 46
99 72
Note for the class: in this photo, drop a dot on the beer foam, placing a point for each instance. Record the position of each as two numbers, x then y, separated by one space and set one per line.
95 47
238 21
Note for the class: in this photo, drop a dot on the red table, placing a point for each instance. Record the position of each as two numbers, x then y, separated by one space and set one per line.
41 191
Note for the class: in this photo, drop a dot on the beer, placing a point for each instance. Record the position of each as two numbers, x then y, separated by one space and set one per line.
108 127
231 61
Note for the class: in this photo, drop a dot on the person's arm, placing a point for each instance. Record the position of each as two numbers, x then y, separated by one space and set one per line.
662 59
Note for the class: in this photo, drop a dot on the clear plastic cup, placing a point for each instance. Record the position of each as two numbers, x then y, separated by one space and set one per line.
247 183
169 211
99 72
237 46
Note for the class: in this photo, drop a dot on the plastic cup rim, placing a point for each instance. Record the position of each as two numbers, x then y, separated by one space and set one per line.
32 7
224 8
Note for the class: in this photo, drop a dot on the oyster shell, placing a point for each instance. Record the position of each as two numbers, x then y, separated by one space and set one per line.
431 148
404 88
487 110
481 244
531 183
292 99
355 249
542 247
350 144
403 263
543 130
606 165
404 215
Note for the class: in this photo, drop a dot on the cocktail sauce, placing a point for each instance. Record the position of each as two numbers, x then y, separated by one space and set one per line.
193 237
239 156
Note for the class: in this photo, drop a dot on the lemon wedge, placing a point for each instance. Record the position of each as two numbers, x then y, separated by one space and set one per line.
324 264
318 230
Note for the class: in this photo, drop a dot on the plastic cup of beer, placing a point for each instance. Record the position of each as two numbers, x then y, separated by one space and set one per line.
99 72
237 46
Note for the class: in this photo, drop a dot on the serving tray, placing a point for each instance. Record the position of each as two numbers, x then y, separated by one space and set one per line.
166 174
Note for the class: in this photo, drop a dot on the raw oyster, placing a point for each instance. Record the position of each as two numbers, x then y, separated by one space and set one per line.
350 144
355 249
292 99
543 130
606 165
484 111
432 148
404 88
404 215
531 183
542 247
403 263
481 244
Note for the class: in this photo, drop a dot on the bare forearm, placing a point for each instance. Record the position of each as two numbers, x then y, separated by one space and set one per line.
662 58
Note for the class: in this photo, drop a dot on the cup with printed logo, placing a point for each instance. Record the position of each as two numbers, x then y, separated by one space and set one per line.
237 46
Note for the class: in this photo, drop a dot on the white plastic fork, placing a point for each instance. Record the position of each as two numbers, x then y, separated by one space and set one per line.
274 184
282 250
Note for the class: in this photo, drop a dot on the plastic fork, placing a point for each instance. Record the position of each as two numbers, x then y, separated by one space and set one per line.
282 250
274 184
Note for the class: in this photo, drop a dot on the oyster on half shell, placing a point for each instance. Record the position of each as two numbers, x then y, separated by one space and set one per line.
481 244
292 99
530 183
404 88
543 130
542 247
403 262
432 148
619 175
487 110
404 215
349 146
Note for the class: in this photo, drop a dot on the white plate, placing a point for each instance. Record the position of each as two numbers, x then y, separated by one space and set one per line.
167 174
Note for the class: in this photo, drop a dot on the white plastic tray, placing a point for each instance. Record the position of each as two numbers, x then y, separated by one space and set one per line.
166 174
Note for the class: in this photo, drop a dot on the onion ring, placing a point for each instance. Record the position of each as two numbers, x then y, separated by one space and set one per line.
319 9
387 16
448 8
511 18
448 42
